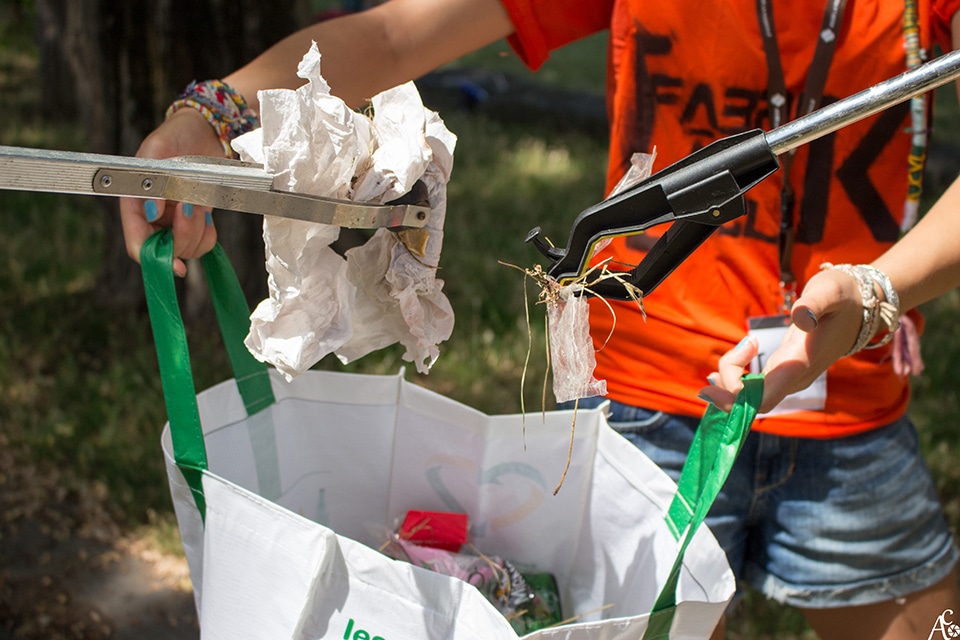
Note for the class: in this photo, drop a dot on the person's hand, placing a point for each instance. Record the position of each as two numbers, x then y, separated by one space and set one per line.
826 321
186 132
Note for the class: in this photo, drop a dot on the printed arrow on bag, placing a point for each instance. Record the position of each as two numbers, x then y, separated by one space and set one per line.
490 476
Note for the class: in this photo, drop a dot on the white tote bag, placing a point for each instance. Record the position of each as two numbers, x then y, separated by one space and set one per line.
282 492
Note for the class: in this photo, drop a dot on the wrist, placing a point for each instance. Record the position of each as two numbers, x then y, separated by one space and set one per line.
221 106
879 301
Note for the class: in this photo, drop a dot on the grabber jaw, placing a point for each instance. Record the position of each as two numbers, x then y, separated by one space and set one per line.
696 194
414 238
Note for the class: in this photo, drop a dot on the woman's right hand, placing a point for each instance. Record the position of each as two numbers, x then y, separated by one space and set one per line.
826 319
184 133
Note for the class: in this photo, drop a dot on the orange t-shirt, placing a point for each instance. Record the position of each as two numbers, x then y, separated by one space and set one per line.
682 74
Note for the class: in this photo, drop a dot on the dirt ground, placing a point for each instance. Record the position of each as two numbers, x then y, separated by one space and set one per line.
68 572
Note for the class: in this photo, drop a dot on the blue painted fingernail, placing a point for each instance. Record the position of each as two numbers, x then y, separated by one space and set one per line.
813 316
151 210
208 217
188 210
742 342
711 381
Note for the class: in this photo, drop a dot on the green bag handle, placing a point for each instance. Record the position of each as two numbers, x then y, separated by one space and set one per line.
173 356
712 454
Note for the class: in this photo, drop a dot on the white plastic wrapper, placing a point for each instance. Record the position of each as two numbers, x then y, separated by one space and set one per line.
572 354
379 294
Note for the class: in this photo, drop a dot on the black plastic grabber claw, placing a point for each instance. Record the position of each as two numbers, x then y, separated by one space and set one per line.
697 194
705 189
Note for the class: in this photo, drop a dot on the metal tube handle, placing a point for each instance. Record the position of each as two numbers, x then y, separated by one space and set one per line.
927 76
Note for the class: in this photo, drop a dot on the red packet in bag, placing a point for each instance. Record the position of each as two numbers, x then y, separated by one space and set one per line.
435 529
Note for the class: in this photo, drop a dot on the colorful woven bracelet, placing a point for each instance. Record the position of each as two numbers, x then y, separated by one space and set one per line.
221 106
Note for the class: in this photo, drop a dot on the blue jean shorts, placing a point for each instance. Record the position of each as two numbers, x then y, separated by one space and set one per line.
816 523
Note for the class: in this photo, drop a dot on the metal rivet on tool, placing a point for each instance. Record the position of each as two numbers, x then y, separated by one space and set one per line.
715 213
147 184
421 215
106 181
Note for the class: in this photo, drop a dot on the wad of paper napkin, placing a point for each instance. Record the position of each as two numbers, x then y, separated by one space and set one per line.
379 293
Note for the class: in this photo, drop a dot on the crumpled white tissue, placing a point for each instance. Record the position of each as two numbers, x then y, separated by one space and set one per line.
380 293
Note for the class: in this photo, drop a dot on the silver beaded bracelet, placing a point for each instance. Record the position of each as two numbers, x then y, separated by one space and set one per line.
875 311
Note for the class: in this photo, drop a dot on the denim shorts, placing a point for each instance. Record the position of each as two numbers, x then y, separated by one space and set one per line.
816 523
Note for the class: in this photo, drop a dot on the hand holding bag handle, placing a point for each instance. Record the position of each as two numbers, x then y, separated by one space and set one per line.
712 454
179 392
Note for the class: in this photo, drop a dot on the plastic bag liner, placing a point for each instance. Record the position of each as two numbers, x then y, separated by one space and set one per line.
277 487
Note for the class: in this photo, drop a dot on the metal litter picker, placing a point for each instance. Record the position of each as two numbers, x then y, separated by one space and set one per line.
705 189
224 184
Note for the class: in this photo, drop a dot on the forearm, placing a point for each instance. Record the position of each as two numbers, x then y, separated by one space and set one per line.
370 51
926 262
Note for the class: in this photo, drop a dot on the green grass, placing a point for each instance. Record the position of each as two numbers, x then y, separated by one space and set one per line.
79 384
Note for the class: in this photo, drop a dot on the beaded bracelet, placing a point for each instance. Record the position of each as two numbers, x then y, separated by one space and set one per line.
868 278
221 106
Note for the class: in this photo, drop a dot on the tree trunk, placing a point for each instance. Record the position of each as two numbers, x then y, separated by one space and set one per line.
116 66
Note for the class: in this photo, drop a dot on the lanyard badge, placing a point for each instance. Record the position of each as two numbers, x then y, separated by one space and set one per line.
769 332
